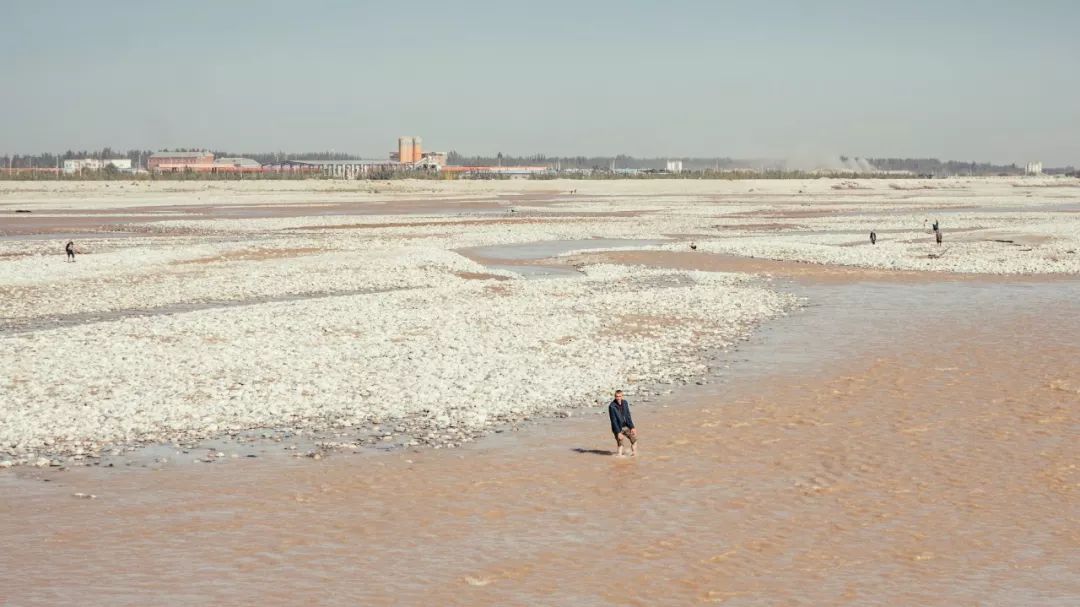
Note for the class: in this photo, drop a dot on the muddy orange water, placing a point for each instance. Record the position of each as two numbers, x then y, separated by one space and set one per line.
891 444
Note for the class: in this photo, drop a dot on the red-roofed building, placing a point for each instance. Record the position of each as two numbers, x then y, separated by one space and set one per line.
178 161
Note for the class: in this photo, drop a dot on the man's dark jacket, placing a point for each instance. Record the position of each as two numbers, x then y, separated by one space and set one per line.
620 415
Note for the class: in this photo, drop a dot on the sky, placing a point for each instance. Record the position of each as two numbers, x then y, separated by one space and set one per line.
975 80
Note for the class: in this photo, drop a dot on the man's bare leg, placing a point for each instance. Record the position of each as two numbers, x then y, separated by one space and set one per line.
618 441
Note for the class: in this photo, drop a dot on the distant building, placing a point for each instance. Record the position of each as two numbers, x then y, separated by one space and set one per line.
78 165
1034 168
340 169
200 162
236 165
674 166
434 160
493 171
409 157
178 161
294 167
410 150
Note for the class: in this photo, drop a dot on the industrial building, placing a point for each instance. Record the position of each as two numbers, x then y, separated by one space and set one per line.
178 161
410 156
236 165
497 171
200 162
674 166
432 160
1034 168
78 165
411 151
338 169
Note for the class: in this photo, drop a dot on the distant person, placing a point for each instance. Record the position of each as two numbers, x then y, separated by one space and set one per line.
622 425
693 246
70 248
936 226
873 237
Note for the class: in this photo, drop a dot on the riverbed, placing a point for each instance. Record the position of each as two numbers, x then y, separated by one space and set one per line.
811 433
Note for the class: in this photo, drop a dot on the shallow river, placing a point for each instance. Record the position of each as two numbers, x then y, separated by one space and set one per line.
891 444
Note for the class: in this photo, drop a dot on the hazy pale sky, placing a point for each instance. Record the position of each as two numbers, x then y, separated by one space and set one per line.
988 81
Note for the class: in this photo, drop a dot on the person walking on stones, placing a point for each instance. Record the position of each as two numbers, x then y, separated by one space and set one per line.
873 237
70 249
622 425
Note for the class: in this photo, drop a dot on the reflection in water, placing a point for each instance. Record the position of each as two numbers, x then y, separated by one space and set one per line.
537 270
893 444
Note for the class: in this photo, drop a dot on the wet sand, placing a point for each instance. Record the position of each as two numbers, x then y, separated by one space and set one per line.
804 272
885 446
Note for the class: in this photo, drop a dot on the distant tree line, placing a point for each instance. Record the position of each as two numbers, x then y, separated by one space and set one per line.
596 163
767 173
138 157
935 167
49 160
693 166
919 166
275 157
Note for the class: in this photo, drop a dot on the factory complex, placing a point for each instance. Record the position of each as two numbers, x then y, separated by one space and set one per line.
409 157
199 162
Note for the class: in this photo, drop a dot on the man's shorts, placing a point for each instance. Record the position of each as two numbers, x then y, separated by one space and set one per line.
626 432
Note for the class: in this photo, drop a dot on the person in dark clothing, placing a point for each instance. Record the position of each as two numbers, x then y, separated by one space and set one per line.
70 248
622 425
936 226
873 237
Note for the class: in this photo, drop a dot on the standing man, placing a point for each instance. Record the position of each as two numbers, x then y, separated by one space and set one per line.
873 237
622 425
70 248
